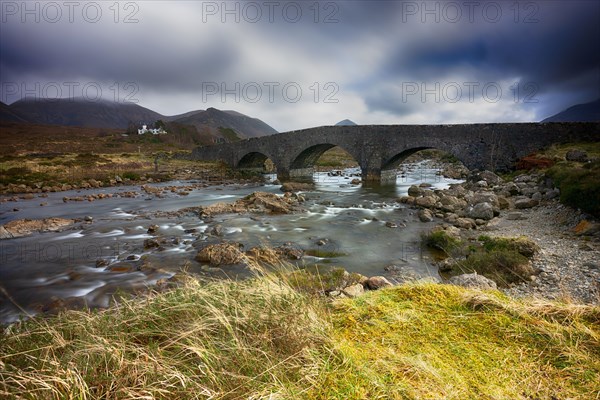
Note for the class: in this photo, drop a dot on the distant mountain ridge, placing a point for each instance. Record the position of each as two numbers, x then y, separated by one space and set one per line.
10 115
345 122
112 115
213 119
587 112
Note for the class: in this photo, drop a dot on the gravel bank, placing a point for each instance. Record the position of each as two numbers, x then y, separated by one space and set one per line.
569 264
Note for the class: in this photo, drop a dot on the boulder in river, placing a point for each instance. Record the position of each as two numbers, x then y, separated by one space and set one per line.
25 227
257 202
297 187
221 254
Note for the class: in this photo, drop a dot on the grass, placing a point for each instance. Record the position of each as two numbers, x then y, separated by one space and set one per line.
229 134
320 279
336 158
261 339
441 240
504 260
579 185
503 266
72 168
442 342
324 253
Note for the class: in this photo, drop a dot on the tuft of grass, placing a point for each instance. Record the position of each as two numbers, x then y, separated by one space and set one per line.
134 176
261 339
441 240
320 279
522 245
225 340
579 186
503 266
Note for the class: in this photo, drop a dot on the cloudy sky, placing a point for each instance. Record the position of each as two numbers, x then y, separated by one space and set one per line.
304 63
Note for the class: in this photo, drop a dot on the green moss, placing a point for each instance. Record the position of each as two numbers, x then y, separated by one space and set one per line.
522 245
579 186
504 266
324 253
442 241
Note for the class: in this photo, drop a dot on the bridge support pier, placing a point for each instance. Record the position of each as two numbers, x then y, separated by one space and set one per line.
296 175
377 176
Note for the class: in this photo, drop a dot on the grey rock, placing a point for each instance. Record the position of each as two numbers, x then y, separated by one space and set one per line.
552 194
514 216
483 211
425 215
526 203
426 201
485 197
473 281
576 155
415 191
354 290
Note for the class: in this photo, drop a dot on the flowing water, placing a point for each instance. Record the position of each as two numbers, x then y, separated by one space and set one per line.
344 225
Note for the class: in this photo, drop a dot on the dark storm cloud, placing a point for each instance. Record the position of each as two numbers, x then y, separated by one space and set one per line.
153 60
558 48
370 49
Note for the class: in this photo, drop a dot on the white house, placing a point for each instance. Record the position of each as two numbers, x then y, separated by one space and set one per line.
154 131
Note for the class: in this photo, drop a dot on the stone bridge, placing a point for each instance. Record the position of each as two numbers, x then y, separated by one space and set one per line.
379 149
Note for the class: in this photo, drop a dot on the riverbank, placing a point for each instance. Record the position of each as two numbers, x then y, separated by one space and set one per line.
569 258
262 338
566 263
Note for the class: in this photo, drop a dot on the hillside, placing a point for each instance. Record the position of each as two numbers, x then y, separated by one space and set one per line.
204 126
213 119
79 112
9 115
578 113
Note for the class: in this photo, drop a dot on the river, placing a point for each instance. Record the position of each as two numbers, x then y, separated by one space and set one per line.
88 265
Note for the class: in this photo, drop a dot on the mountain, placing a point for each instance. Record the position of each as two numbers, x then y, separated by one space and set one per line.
218 122
345 122
229 125
80 112
588 112
8 114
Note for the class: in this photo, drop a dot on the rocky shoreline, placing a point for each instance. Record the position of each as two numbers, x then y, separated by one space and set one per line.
568 263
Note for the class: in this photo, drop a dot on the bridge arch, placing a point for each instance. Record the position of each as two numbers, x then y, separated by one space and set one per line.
251 160
396 160
256 161
302 164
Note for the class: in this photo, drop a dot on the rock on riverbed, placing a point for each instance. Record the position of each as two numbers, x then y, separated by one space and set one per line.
26 227
257 202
